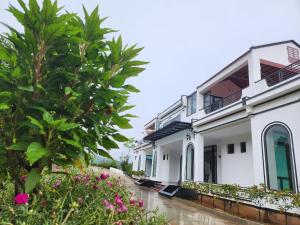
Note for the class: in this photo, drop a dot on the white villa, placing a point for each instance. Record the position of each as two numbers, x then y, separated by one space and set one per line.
241 126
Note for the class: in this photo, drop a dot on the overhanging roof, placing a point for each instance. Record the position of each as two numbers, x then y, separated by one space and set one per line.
170 129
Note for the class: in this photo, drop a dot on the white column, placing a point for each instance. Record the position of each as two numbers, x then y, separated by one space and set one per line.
257 153
199 158
183 162
158 163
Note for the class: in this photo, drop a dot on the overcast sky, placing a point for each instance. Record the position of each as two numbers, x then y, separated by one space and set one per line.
186 41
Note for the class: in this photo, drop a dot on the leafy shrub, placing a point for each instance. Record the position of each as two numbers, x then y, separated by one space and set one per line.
138 173
81 198
63 90
258 195
126 165
107 164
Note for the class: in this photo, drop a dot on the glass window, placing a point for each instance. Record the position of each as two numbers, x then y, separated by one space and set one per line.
243 147
154 164
279 161
230 148
191 104
139 163
190 162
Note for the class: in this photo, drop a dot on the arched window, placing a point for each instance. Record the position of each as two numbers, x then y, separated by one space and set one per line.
279 158
139 163
154 164
189 175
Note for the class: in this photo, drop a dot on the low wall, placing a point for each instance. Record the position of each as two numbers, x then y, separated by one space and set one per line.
250 212
116 171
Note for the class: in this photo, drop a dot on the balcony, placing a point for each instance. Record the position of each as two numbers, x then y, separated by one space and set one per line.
224 101
227 91
282 74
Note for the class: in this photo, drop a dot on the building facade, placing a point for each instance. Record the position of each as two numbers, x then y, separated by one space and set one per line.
241 126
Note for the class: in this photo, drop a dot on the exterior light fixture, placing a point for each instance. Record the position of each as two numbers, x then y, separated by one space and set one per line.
188 136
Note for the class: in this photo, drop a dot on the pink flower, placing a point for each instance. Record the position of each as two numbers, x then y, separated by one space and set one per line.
140 202
122 209
118 200
109 184
80 201
21 199
77 178
56 184
105 202
132 201
120 223
23 178
104 176
108 205
86 179
95 187
98 178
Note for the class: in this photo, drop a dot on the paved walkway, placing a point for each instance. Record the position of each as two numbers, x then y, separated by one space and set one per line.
182 212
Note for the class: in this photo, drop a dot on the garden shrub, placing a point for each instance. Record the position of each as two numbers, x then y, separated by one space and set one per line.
63 90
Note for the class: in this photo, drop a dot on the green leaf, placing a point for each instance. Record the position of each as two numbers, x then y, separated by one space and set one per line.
64 126
4 106
68 90
21 146
5 94
72 142
126 107
35 151
36 123
108 143
48 117
120 138
33 179
121 122
131 88
118 80
26 88
130 116
17 72
104 153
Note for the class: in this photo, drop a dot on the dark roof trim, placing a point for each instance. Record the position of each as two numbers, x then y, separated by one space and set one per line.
250 49
168 130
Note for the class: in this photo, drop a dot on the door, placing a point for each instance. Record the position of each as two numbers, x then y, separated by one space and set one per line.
210 164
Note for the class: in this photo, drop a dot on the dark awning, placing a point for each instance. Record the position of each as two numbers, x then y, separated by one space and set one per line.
171 128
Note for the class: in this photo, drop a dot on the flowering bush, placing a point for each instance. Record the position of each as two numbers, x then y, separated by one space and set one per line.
81 198
258 195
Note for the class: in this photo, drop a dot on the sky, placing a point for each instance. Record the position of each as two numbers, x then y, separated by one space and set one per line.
185 41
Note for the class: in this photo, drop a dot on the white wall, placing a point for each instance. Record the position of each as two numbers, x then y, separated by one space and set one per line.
236 168
288 115
277 54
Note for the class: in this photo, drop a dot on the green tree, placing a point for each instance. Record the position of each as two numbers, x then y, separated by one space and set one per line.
63 90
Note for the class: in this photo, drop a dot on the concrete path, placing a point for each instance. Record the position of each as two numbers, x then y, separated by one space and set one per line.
179 211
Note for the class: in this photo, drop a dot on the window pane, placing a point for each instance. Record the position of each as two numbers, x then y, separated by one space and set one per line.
154 164
191 104
189 162
278 155
230 148
243 147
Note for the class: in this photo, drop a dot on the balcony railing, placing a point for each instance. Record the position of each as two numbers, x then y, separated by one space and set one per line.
283 74
224 102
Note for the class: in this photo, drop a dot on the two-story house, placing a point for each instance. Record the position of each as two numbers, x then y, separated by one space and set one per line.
241 126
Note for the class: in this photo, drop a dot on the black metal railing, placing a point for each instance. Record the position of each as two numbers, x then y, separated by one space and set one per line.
283 74
234 97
